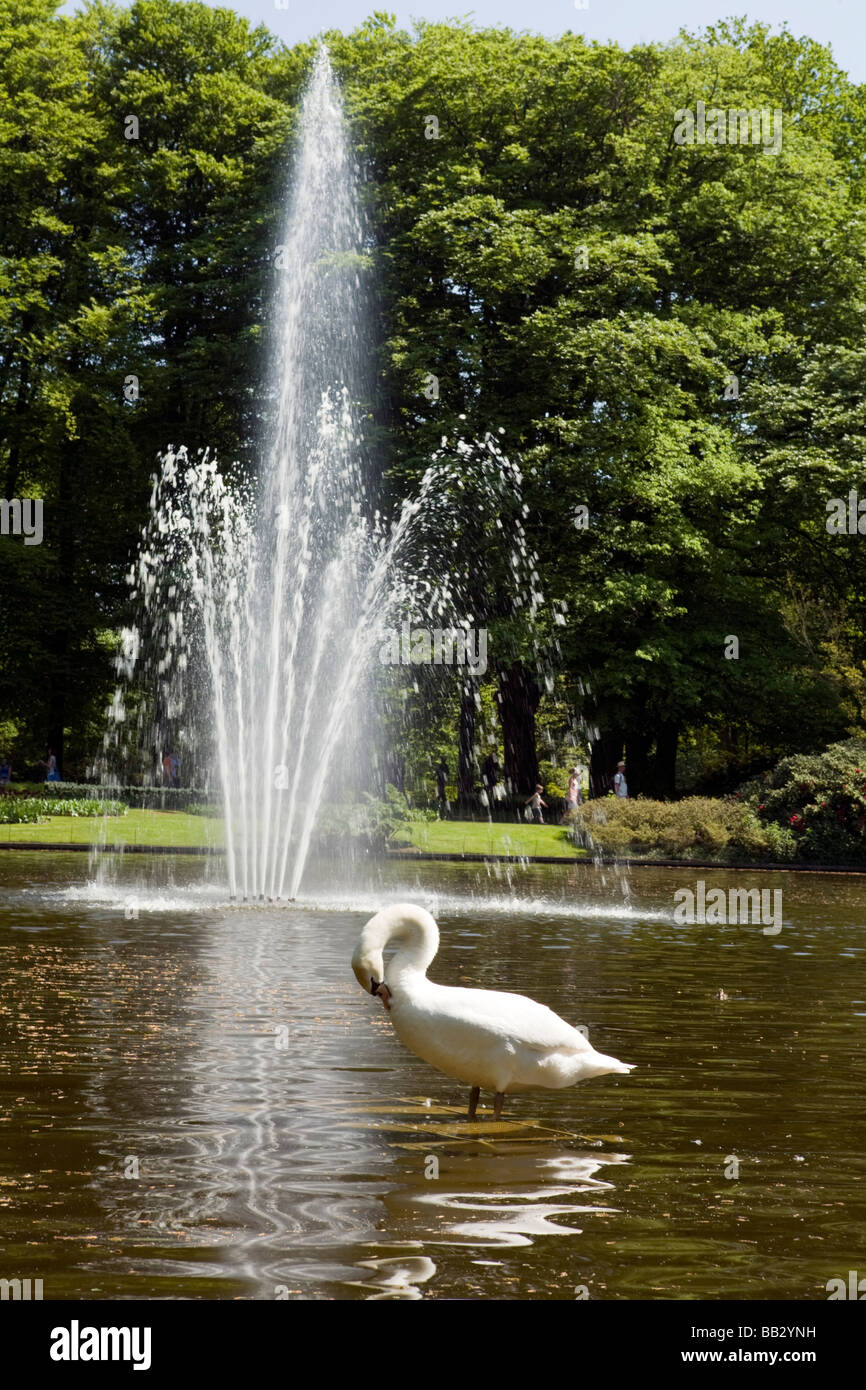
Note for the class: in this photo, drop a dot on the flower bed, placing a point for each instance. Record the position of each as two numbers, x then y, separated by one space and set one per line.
33 810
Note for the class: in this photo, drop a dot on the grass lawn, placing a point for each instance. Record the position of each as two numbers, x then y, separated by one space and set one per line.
174 828
480 837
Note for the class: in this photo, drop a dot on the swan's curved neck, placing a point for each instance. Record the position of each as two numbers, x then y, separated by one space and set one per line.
415 934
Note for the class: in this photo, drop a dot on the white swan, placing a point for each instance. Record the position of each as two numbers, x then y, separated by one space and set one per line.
501 1042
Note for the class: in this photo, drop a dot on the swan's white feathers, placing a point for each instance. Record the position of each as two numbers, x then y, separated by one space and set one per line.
486 1038
511 1016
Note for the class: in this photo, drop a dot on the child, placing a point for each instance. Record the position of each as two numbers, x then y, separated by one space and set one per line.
535 803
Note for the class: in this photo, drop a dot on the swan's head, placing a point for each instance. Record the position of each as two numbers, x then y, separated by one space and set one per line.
415 931
368 964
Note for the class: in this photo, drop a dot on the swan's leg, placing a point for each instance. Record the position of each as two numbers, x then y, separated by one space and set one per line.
473 1101
497 1105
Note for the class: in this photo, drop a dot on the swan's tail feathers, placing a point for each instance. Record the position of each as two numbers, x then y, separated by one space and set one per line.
600 1065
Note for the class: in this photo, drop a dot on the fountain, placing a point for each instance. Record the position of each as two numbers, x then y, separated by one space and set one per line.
262 609
276 589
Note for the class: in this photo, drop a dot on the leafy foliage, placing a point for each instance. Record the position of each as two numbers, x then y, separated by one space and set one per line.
369 824
819 800
567 272
694 828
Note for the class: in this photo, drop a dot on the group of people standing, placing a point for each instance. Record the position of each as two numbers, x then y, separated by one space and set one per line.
574 796
52 771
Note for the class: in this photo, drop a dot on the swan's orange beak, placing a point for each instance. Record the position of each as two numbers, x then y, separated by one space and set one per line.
383 992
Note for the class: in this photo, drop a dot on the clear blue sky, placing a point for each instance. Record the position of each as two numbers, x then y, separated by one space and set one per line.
841 23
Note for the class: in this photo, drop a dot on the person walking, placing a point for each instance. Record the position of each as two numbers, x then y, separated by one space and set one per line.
5 775
535 804
620 785
573 797
53 773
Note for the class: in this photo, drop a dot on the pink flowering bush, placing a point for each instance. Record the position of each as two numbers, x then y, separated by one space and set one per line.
819 798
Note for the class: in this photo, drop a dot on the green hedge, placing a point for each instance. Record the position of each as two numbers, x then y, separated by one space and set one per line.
810 807
698 827
141 798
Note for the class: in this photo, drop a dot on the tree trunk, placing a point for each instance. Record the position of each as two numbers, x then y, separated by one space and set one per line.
604 755
14 460
395 773
59 639
518 698
466 760
637 748
665 762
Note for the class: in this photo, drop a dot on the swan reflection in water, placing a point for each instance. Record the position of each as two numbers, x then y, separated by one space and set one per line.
395 1277
505 1199
492 1201
492 1187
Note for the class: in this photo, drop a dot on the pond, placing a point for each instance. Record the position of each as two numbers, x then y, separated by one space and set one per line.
199 1102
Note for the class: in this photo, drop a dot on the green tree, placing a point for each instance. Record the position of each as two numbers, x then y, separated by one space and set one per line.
568 272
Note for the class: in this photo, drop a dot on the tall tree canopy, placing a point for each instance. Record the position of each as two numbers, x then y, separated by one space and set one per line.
670 337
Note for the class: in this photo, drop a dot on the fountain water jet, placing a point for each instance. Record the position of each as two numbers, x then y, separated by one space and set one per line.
261 608
272 587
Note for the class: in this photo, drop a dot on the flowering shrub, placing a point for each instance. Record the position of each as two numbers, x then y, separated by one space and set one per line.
820 798
34 810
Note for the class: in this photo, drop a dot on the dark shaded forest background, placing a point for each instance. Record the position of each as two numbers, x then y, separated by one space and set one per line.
568 273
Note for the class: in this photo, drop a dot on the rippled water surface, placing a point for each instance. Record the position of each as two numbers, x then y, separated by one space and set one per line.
199 1102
